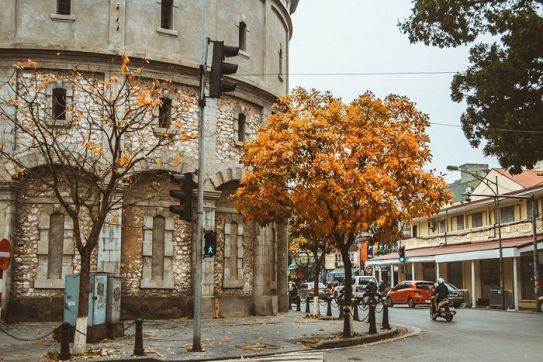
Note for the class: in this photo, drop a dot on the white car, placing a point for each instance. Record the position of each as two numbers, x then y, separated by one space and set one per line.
359 285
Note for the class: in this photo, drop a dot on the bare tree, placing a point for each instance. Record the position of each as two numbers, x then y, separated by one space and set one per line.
94 134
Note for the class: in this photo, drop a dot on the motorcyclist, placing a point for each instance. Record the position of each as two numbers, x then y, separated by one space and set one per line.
329 290
294 293
382 287
440 292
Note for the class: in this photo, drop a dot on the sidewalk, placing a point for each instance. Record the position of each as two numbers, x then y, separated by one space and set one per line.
172 339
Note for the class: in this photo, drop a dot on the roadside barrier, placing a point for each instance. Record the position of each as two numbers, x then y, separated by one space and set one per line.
24 339
371 317
384 322
138 341
355 307
66 331
307 301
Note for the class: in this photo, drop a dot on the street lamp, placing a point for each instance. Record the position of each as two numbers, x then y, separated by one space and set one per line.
488 183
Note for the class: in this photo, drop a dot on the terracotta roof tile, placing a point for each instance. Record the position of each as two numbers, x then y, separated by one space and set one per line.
526 179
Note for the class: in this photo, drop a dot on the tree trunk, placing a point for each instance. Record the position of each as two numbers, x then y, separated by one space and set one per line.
348 290
80 339
316 272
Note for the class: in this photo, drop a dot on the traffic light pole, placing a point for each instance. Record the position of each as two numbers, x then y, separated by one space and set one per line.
196 338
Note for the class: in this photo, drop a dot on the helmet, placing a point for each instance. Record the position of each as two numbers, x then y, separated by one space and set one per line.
440 281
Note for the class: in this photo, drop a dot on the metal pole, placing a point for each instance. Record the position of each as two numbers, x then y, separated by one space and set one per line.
196 335
499 219
536 261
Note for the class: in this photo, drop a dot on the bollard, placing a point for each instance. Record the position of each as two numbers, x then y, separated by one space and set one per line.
289 302
355 313
65 330
298 307
138 343
340 307
307 301
329 308
371 316
384 323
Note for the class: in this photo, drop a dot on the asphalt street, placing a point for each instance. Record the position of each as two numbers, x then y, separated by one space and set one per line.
474 335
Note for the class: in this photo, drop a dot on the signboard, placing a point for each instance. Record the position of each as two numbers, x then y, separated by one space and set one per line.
6 253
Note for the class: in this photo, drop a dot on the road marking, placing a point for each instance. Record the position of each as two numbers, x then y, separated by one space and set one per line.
310 356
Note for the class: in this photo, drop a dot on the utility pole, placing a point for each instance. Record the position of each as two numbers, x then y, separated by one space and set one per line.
536 261
196 335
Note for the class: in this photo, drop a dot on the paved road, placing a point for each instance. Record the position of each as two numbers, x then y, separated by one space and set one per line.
474 335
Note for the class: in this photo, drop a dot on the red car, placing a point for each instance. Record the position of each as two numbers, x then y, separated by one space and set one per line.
411 292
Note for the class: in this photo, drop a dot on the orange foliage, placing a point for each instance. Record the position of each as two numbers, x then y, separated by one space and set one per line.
340 168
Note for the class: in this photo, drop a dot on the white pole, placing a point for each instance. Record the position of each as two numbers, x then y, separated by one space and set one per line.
437 270
198 234
380 274
412 271
391 275
473 296
515 283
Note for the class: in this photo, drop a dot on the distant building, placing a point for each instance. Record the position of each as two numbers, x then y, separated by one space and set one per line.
461 242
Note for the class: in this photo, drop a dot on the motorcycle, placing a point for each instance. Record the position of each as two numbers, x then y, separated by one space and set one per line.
443 310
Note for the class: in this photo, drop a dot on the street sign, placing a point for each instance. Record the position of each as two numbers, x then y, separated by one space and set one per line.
6 254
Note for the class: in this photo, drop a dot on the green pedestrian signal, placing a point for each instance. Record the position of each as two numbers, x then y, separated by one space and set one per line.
401 254
210 243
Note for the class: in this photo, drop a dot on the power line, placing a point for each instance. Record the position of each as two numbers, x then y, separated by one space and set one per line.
492 129
357 73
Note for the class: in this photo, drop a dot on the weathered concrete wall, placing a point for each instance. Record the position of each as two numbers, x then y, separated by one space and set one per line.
133 27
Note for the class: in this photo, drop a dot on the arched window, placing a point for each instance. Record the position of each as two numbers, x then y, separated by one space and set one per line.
166 14
64 7
165 113
241 127
242 36
159 227
56 242
59 104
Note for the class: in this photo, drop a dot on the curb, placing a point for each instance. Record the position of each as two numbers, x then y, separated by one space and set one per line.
369 341
355 341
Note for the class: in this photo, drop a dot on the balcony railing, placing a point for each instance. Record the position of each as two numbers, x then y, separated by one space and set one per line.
483 233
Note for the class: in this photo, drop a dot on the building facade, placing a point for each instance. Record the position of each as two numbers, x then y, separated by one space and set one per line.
462 242
149 248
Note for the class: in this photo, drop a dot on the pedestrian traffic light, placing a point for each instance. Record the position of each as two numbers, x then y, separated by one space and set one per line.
219 68
184 194
210 243
381 248
401 254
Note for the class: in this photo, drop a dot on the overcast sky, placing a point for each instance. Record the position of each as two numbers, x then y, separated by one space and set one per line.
361 36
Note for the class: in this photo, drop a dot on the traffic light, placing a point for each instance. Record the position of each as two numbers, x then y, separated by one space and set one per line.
401 254
184 194
370 250
381 248
210 243
219 68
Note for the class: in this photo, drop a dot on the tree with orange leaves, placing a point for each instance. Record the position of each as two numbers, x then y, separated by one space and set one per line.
341 168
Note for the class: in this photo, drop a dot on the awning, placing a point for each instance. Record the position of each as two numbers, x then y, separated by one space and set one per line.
293 266
340 272
488 249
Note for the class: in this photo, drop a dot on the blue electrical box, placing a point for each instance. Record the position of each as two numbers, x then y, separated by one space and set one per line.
97 298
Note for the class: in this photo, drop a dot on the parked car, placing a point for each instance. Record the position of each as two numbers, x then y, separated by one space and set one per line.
359 284
540 303
411 292
456 296
306 289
